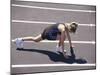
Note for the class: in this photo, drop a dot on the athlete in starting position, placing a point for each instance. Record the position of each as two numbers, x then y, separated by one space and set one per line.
57 31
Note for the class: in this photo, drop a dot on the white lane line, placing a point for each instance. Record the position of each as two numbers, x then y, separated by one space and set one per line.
82 42
47 65
78 42
49 8
41 22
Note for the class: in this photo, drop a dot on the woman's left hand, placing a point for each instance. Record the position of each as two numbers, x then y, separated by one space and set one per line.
73 46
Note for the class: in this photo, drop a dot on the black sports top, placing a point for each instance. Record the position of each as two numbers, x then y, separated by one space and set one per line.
51 32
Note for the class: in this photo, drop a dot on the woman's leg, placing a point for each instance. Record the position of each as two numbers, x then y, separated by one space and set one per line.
35 39
19 41
60 45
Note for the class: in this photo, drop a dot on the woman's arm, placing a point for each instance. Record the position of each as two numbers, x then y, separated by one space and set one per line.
68 36
62 38
61 41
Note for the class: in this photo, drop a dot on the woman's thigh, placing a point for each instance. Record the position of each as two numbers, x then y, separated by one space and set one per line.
59 37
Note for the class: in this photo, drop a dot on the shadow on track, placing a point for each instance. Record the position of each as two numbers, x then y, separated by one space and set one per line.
58 57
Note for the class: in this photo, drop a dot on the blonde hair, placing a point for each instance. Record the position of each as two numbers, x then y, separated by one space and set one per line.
73 27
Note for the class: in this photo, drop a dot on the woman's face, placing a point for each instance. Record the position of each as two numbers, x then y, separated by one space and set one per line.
69 27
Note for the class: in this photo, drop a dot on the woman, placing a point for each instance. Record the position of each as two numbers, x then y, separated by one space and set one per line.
57 31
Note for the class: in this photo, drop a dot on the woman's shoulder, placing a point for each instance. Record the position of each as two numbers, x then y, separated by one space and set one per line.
61 27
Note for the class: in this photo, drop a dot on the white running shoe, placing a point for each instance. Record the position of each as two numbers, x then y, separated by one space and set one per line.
59 48
65 51
19 42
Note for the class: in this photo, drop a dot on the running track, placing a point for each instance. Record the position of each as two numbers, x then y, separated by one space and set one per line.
30 18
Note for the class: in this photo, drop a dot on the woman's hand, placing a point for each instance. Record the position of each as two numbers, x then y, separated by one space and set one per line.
64 53
72 52
73 46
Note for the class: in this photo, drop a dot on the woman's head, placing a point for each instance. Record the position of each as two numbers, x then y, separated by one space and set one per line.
72 27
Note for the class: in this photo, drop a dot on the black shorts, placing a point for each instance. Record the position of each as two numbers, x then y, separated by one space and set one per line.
49 35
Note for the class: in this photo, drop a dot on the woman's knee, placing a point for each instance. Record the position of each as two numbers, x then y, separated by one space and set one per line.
36 40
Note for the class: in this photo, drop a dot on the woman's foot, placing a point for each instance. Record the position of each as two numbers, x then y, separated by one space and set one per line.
59 49
19 43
